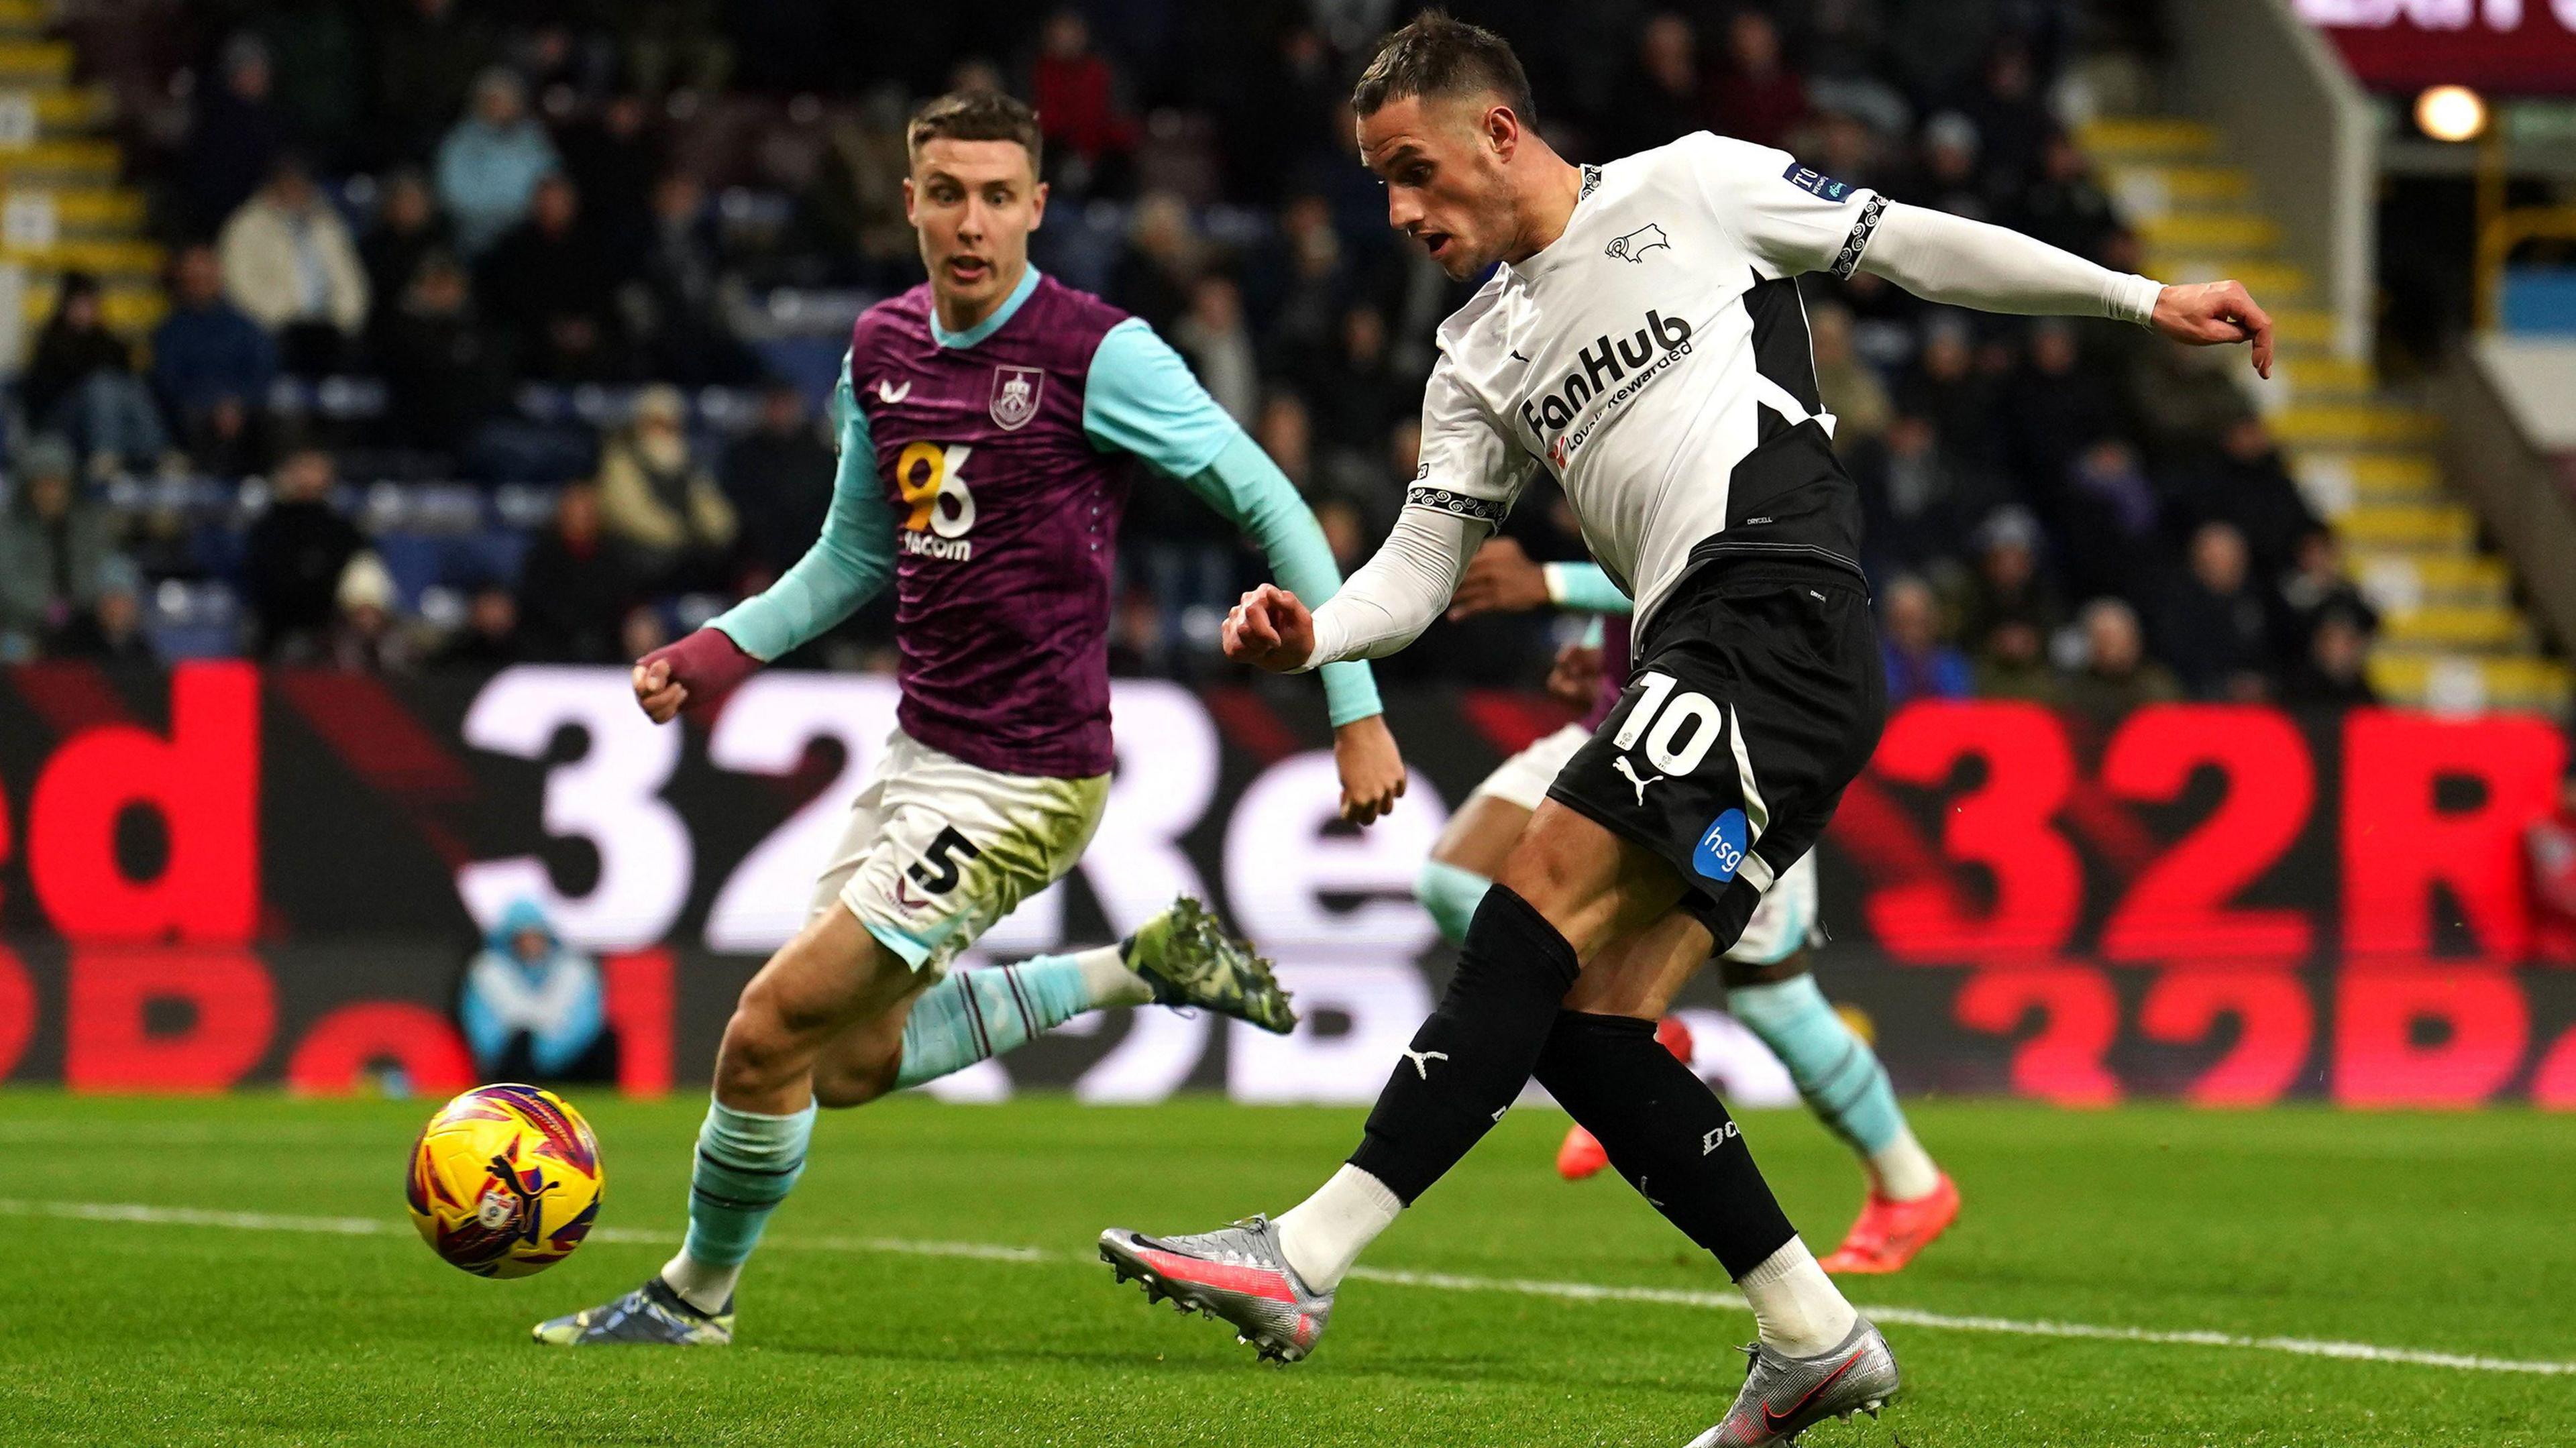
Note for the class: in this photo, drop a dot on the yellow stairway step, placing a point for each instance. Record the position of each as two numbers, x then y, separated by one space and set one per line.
2337 479
25 12
2147 136
106 258
2461 572
2453 626
74 108
2354 425
2308 374
2397 580
2420 527
26 60
90 160
2301 327
2149 188
2394 471
2469 681
91 208
2226 231
2271 282
131 310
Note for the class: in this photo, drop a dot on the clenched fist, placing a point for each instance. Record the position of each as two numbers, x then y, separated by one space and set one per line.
1270 630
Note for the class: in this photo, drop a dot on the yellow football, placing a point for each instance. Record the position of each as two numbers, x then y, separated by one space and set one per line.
505 1181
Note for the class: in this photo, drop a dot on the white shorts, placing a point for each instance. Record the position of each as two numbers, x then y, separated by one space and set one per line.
937 849
1785 920
1786 917
1523 779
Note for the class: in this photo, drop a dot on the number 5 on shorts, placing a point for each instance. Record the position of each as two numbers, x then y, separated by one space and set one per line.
938 868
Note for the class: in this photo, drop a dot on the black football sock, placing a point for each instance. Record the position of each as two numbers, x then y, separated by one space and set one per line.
1474 1053
1666 1132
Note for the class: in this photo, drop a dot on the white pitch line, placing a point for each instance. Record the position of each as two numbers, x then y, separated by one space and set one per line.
1918 1317
146 1215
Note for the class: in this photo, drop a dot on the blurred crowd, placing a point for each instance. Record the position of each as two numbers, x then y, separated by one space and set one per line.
500 332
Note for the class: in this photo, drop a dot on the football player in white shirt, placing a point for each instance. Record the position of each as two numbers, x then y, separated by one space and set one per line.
1642 340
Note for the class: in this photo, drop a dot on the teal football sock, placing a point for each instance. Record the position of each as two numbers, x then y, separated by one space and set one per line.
747 1163
976 1014
1835 1070
1451 895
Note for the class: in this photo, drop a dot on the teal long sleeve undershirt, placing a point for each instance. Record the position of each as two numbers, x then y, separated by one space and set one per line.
1140 398
846 566
1246 487
1586 588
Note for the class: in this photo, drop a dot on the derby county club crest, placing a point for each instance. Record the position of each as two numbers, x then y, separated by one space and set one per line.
1635 245
1015 396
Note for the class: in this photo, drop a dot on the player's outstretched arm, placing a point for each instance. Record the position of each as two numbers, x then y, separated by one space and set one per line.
1950 259
1471 471
846 566
1502 578
1270 629
1141 399
1247 488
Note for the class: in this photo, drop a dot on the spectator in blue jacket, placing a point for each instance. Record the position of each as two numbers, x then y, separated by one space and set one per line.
1919 664
533 1007
489 165
211 365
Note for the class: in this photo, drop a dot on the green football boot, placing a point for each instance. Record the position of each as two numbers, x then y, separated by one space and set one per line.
1189 959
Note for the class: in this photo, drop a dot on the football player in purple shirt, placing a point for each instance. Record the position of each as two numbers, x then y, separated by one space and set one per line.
989 423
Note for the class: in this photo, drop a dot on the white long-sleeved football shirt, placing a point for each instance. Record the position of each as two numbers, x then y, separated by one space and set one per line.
1655 359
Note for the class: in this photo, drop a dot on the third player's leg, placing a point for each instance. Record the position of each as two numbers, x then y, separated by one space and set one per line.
1770 990
1480 836
1471 847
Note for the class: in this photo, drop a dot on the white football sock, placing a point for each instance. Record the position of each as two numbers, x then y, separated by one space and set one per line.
1111 983
1324 1234
1902 1171
1796 1307
706 1288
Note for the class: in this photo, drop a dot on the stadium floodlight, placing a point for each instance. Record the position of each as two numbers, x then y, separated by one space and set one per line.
2451 113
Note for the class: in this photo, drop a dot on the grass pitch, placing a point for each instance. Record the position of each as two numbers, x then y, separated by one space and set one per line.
319 1318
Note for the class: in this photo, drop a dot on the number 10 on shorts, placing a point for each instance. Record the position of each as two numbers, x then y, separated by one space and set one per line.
1680 726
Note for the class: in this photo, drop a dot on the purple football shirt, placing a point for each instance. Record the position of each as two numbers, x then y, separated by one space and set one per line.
1615 664
1006 528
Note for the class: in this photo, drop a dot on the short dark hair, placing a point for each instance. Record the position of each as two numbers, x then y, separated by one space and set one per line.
975 115
1440 56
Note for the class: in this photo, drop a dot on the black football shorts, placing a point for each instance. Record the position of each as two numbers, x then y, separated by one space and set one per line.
1757 694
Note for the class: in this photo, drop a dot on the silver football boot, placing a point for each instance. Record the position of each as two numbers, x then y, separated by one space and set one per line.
1783 1397
1236 1274
652 1313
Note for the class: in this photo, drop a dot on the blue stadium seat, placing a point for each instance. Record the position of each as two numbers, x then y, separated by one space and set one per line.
416 561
